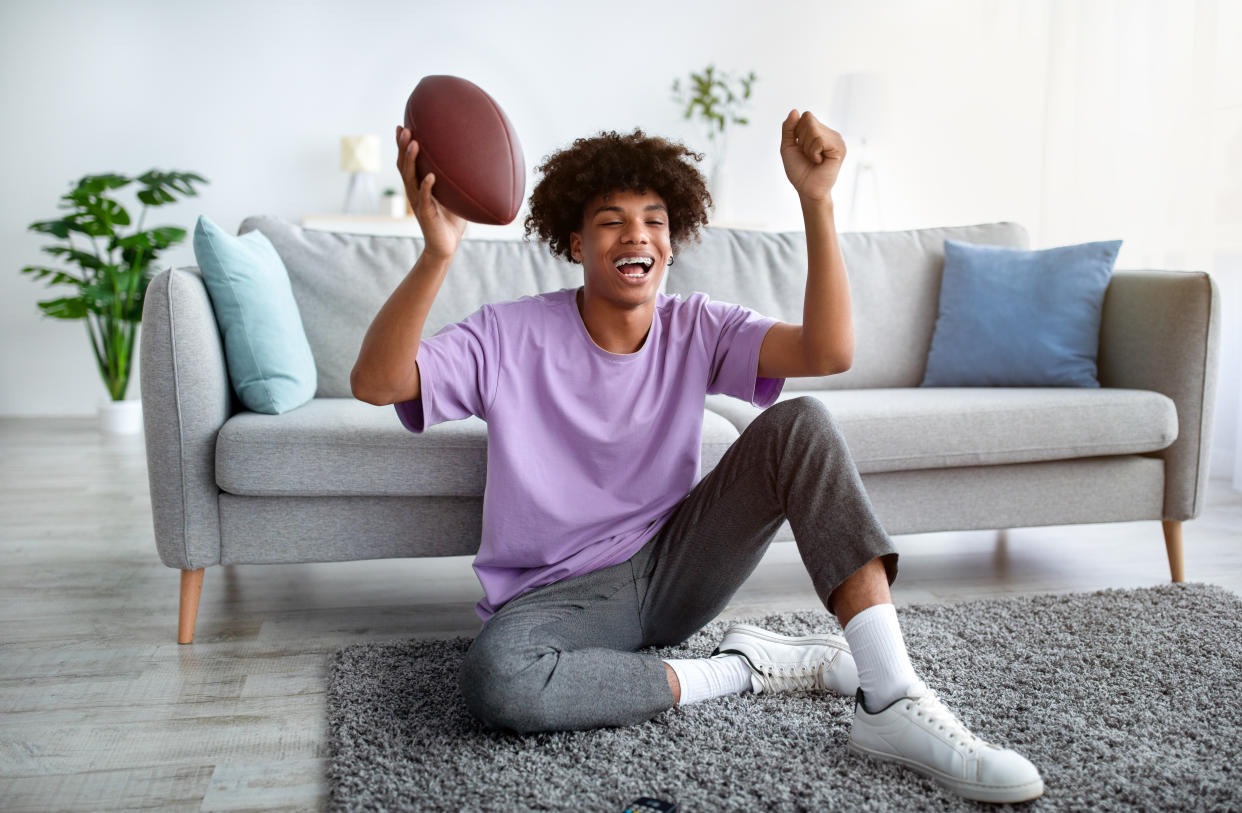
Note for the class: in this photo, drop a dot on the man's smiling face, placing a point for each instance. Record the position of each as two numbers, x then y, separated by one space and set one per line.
621 226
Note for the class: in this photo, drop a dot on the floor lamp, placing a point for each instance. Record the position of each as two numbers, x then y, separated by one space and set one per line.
857 103
864 169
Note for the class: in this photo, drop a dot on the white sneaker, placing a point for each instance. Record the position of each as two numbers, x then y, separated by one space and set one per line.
782 663
920 733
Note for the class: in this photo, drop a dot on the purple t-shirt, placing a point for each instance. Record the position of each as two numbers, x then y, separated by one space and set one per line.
588 451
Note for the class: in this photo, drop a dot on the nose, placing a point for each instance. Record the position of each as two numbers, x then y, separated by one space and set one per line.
634 232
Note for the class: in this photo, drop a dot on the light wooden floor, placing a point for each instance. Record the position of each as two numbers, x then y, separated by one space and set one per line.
103 710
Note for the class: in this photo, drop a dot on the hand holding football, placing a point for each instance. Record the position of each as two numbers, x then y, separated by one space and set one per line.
442 230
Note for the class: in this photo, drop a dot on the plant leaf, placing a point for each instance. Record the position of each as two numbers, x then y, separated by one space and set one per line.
156 180
128 278
58 277
89 226
105 212
715 97
150 243
165 236
95 185
65 308
100 298
82 258
57 228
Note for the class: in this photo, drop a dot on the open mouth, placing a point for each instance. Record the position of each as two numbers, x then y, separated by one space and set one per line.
634 269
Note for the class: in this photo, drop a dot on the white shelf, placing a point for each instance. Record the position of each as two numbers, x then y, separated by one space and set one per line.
403 226
365 224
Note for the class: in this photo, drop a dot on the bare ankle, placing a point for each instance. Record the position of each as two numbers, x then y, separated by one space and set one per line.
673 684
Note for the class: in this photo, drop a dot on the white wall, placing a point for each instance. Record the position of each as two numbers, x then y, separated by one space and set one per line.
256 96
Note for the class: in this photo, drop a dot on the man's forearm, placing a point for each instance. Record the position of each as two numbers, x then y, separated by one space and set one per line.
389 349
827 323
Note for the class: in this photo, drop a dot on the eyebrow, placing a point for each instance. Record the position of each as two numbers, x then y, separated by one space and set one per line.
648 208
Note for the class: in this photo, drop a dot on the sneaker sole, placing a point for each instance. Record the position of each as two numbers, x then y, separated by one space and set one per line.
1003 794
788 640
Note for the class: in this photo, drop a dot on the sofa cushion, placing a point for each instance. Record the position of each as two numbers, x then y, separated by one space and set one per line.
894 289
344 447
341 281
269 360
1013 318
904 429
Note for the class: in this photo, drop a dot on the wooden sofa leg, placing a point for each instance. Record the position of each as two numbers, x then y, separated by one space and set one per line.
1173 545
191 588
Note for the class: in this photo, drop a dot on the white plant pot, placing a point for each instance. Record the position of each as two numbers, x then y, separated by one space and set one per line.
120 417
396 205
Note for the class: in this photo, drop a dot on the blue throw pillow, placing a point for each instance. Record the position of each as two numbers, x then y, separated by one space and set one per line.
269 358
1015 318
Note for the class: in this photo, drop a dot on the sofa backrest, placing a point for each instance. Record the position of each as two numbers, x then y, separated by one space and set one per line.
894 289
341 280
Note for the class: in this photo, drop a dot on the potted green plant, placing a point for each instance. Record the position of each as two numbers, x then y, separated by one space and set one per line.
114 274
716 98
394 202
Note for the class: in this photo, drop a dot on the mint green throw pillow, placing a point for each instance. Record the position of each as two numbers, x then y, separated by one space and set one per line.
270 361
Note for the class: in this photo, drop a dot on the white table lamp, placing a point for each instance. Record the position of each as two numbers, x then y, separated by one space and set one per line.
360 158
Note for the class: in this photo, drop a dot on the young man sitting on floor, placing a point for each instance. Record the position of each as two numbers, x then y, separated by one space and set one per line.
597 540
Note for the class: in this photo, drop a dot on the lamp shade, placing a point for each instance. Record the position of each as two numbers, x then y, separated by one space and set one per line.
858 105
360 153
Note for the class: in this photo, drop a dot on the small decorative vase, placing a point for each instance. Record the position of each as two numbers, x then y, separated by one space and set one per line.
120 417
396 205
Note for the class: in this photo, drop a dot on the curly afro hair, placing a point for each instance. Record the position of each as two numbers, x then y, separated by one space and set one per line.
608 163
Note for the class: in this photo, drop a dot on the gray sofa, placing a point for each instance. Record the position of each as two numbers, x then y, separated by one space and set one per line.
338 479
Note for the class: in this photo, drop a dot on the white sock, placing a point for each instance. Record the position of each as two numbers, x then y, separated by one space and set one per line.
879 651
705 678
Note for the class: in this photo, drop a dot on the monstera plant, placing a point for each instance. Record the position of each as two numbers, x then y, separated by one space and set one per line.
113 269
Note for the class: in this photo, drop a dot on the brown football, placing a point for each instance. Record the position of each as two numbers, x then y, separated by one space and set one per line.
469 143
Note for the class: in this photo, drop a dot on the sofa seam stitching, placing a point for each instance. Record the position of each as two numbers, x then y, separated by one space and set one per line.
185 513
1207 337
951 455
334 444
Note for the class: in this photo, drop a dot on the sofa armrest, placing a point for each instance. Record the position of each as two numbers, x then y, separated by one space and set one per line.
1161 331
186 398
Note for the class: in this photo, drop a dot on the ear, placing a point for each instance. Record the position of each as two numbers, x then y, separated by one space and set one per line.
575 245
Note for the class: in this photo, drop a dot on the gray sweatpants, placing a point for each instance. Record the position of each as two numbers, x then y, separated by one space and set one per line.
563 656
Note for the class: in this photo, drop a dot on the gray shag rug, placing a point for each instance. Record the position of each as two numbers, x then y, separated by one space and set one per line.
1124 699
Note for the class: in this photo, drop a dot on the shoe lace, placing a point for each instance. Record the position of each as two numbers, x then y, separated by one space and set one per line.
791 678
937 715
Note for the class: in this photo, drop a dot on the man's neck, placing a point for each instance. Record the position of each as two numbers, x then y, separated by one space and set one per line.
621 331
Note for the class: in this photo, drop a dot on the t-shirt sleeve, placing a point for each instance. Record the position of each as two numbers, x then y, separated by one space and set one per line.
734 370
457 369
